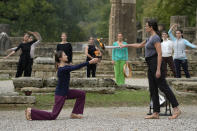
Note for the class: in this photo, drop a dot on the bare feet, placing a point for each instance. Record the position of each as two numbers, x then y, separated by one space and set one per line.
155 115
76 116
28 113
176 114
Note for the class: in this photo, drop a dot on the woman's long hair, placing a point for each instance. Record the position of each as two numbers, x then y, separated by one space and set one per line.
153 23
58 55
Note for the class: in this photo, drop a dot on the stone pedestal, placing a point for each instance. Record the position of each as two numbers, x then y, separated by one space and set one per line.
5 28
9 96
7 88
123 20
5 43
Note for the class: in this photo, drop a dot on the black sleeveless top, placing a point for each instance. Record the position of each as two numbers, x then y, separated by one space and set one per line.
91 50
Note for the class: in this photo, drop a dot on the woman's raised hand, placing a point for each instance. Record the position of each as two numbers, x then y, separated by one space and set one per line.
174 26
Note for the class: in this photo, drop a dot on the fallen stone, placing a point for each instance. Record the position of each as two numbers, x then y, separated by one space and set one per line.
38 90
83 82
17 99
6 86
170 80
44 60
27 82
185 94
50 82
102 90
185 85
4 76
9 94
133 87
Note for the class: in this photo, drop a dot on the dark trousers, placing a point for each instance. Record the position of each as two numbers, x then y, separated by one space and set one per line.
169 61
91 69
59 103
155 83
178 64
24 65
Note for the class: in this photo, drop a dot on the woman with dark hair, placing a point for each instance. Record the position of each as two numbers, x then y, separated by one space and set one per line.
62 92
65 46
180 58
156 76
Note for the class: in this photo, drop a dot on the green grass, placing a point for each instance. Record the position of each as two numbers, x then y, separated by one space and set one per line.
120 98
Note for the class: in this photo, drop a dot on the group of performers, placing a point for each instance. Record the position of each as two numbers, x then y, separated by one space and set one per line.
153 57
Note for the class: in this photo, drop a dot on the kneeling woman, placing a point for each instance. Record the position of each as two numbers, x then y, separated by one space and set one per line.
62 92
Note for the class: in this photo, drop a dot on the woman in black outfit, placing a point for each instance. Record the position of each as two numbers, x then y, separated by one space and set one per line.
90 52
66 47
156 74
26 61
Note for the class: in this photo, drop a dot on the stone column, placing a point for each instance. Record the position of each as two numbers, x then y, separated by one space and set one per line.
128 23
114 22
195 42
123 20
196 25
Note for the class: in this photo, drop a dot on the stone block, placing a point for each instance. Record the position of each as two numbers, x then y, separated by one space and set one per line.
185 85
6 86
101 90
44 60
83 82
28 82
17 99
4 76
38 90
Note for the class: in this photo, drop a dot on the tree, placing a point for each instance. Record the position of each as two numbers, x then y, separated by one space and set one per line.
164 9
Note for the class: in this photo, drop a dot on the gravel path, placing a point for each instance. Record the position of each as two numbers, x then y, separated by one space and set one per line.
102 119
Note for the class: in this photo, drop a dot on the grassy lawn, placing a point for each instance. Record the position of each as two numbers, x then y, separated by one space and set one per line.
120 98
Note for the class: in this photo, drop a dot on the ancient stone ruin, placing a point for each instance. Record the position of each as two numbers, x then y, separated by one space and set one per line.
123 20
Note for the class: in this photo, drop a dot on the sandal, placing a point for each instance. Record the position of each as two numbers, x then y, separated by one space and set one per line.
153 116
175 115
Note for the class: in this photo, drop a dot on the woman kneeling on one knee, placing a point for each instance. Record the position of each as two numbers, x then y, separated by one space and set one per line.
156 74
63 92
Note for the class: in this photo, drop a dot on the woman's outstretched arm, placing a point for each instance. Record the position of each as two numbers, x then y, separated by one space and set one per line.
135 45
11 53
76 67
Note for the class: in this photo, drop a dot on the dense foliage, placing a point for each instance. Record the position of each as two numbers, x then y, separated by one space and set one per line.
82 18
